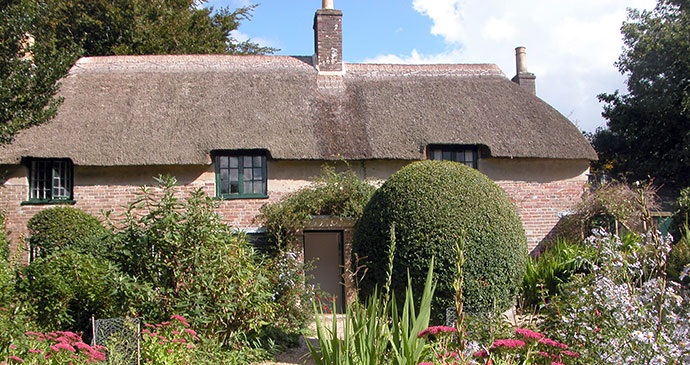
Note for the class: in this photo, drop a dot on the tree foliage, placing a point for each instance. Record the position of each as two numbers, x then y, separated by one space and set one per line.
28 72
138 27
648 132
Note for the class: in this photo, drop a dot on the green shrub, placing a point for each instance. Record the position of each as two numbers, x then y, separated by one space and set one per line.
338 194
433 204
63 227
201 268
68 287
546 273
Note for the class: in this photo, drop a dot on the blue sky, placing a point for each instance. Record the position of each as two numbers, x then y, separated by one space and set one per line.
571 45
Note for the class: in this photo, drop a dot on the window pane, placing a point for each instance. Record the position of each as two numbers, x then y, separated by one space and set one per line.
234 175
247 174
247 161
234 187
469 155
258 161
247 187
224 187
447 156
224 175
233 161
258 173
223 162
258 187
436 155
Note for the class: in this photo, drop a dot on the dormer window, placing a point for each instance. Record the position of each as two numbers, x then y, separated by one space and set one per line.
50 180
466 155
240 174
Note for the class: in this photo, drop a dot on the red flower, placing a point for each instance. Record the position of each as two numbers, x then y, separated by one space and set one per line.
550 342
434 330
571 353
482 353
526 333
508 343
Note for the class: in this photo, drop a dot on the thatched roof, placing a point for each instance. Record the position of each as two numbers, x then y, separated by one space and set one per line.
148 110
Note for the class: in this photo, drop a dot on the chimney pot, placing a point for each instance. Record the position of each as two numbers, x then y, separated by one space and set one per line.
523 77
520 60
327 4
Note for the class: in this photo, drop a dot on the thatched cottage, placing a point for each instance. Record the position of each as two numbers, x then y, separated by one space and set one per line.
253 128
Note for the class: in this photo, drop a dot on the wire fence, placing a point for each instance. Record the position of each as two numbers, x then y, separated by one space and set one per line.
120 336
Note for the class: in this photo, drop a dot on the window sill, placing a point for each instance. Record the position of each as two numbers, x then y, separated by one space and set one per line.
244 196
49 202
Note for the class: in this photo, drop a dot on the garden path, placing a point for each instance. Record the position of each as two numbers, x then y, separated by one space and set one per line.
300 355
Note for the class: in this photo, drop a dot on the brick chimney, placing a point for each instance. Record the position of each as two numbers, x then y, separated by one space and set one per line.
523 77
328 39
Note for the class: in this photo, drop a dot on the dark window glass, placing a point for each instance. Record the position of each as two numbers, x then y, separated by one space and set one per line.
50 179
462 154
241 174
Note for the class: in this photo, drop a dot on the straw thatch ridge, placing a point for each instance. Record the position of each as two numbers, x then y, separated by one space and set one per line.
164 110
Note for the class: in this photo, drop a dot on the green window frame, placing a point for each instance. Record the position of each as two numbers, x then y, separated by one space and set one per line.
241 174
50 180
467 155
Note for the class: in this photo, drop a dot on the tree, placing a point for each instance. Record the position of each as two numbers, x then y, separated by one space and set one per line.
648 129
29 69
137 27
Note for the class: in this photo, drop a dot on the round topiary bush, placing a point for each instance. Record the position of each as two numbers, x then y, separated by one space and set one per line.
63 227
433 205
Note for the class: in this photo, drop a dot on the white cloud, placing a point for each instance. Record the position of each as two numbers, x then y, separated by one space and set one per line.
571 45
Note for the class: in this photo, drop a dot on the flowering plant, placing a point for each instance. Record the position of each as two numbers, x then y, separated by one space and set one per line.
170 342
626 311
60 347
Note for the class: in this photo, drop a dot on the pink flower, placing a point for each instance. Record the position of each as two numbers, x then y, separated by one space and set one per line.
176 332
13 347
148 325
544 354
482 353
178 317
145 331
65 346
190 346
82 346
12 357
550 342
170 351
434 330
98 355
570 353
153 334
526 333
556 363
508 343
32 351
190 331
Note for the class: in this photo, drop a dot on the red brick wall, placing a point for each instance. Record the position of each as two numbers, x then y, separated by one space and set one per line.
99 189
540 204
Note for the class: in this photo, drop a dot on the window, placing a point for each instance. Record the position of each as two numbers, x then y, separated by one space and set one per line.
50 180
241 174
463 154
